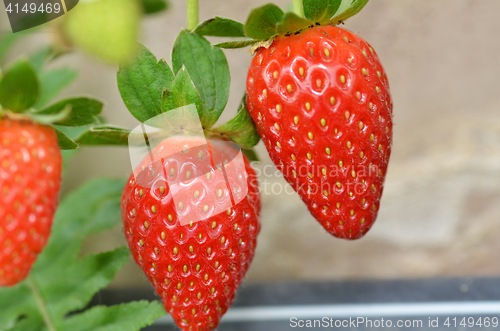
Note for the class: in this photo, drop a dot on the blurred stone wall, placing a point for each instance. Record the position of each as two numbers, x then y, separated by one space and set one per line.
440 214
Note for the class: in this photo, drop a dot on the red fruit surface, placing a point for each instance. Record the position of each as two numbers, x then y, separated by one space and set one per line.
195 268
30 176
322 105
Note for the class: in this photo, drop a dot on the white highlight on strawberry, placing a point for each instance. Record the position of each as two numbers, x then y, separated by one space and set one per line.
171 149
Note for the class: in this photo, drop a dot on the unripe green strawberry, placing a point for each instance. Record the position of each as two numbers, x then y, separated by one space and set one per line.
30 176
322 105
197 266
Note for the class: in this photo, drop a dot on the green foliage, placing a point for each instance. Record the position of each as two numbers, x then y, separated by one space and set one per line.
154 6
107 29
182 93
292 23
263 21
28 87
237 44
142 82
208 68
353 7
19 87
103 135
64 142
320 10
83 111
60 116
89 135
220 27
241 129
268 21
61 283
125 317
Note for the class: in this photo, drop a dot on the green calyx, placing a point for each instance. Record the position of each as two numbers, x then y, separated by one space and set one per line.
199 76
269 21
240 129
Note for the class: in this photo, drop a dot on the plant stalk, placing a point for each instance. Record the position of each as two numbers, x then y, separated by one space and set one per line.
298 8
193 10
41 305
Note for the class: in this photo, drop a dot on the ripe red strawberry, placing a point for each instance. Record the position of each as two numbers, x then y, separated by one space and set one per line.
30 176
322 105
195 267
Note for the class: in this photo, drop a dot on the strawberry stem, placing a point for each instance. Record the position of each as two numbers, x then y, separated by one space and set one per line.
192 14
41 305
298 8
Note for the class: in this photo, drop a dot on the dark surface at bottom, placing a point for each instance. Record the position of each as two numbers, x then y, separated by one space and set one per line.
400 292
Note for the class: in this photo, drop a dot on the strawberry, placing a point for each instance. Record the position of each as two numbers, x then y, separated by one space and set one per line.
194 265
30 176
321 103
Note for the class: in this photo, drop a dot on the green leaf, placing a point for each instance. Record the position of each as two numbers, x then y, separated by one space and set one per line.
183 93
292 23
28 324
125 317
64 142
52 118
73 132
84 111
52 82
220 27
104 135
60 282
237 44
343 6
241 129
250 154
107 29
142 83
19 87
93 208
14 302
320 10
262 22
82 279
207 66
354 7
154 6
